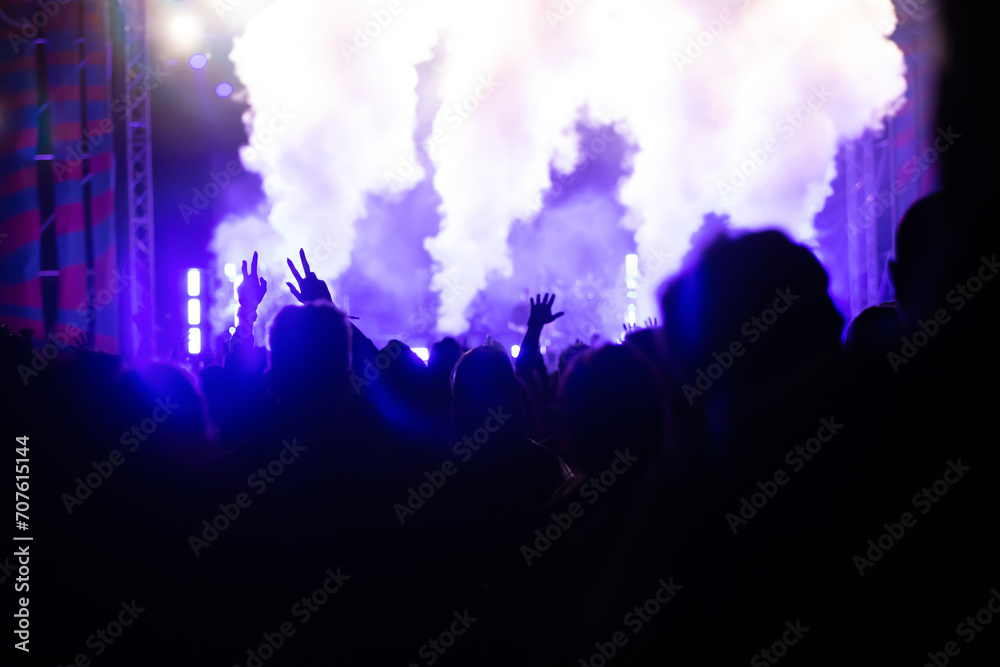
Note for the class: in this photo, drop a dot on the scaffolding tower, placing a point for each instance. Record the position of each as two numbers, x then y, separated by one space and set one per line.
139 183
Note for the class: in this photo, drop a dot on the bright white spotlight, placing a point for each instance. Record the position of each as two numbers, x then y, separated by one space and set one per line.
515 350
422 352
631 313
632 265
631 271
194 340
194 282
230 270
184 30
194 312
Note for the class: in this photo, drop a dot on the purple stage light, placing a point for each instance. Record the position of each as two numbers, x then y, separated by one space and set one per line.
224 89
198 61
194 340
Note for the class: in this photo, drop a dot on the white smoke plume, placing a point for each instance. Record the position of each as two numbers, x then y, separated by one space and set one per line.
733 107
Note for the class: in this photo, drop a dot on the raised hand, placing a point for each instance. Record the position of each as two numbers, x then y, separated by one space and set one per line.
652 323
252 290
541 310
83 342
310 288
629 328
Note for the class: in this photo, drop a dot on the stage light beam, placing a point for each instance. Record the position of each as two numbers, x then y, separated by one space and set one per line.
194 282
194 312
184 30
194 340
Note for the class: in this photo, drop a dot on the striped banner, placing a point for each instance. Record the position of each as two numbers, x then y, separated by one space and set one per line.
20 232
62 54
73 36
108 281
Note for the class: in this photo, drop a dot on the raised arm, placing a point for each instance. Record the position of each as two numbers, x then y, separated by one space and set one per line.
540 315
250 293
311 288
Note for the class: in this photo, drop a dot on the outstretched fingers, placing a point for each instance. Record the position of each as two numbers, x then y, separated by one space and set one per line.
295 272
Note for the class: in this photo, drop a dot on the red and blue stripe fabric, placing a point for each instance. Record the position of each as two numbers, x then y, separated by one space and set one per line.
109 283
20 232
63 58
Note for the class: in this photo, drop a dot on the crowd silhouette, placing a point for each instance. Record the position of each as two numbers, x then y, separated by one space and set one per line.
732 485
738 481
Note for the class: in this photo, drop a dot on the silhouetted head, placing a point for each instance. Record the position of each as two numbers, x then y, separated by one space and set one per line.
757 291
922 256
870 337
444 356
874 332
484 381
645 341
310 355
610 399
